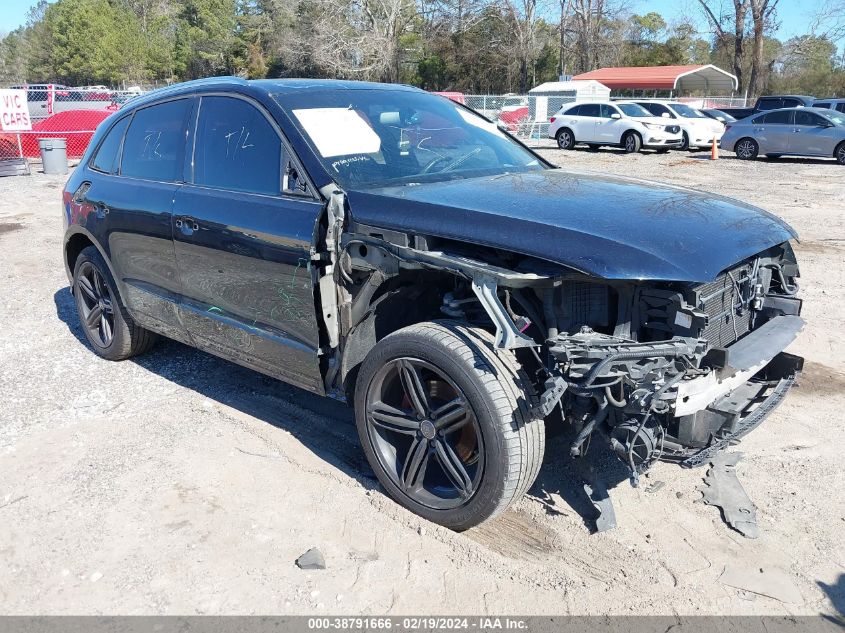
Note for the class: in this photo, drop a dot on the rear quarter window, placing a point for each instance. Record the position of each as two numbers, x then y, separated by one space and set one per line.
105 159
155 142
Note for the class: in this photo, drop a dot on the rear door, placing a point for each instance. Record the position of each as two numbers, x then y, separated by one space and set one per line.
590 115
243 232
573 119
772 131
128 206
812 135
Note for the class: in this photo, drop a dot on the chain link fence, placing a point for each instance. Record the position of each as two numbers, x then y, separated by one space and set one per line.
59 112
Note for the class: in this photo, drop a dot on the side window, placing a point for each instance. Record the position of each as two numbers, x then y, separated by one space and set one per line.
779 117
803 117
106 158
840 107
236 147
573 111
821 105
155 142
769 103
36 95
791 103
760 119
607 111
590 109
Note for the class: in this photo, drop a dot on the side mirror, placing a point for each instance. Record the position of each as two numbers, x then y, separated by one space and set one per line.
615 115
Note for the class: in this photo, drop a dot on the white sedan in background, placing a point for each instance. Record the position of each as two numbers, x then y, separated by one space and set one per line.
698 129
625 125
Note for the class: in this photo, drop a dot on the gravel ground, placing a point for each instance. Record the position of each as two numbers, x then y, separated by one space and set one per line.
177 483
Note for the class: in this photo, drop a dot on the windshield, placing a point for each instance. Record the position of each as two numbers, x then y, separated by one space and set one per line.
397 137
836 117
632 109
686 112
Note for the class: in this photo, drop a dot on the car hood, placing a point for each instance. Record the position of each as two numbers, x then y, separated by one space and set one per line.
605 226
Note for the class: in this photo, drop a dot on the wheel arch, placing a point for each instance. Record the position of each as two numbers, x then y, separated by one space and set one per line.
630 130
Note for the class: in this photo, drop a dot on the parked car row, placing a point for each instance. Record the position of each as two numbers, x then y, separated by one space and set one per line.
634 125
817 131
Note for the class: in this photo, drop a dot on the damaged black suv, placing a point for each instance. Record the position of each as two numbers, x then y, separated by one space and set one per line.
385 246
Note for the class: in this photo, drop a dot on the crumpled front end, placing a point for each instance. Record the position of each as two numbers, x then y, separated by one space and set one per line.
684 369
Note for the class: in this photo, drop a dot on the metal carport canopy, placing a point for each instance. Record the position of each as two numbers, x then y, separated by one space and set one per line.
707 78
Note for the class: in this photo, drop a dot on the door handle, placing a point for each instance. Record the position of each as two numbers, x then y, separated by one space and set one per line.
187 224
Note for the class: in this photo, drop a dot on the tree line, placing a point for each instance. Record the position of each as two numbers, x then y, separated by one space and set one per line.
474 46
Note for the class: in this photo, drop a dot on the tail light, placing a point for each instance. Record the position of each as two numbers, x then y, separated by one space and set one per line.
552 120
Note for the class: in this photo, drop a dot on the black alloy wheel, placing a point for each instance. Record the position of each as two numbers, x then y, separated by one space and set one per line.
424 434
96 305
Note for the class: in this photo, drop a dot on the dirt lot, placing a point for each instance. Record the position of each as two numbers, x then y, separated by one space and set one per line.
180 484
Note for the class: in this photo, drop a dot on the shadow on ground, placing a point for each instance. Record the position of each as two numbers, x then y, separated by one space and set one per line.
327 427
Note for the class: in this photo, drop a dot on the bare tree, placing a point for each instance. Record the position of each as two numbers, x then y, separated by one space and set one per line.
762 14
720 30
522 19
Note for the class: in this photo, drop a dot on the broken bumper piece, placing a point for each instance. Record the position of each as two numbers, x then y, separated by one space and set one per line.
745 408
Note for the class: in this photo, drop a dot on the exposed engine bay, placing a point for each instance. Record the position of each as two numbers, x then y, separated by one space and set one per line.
657 369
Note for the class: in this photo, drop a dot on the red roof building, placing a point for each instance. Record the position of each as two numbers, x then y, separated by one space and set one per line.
707 78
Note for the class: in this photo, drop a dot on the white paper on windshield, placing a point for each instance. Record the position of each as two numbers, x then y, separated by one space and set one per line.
478 121
338 131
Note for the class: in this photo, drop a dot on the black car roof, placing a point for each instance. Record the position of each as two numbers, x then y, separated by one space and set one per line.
268 86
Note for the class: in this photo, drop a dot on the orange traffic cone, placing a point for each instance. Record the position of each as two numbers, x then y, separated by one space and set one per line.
714 151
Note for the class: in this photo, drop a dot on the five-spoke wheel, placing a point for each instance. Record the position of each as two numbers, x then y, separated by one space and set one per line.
96 304
446 422
107 325
424 433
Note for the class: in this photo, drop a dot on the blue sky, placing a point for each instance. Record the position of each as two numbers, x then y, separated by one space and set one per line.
793 15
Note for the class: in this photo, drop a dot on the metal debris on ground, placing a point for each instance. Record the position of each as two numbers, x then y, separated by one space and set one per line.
597 492
765 581
722 489
312 559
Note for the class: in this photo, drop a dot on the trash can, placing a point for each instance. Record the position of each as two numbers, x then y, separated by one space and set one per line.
53 155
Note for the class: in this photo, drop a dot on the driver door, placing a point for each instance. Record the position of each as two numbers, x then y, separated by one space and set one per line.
243 245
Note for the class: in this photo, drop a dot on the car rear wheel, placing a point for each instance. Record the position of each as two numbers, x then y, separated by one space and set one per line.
565 138
632 143
840 153
746 149
107 325
445 422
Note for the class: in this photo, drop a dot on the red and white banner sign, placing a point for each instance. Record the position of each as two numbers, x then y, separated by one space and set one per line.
14 111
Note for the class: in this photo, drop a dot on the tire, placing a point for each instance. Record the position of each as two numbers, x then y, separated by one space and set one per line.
746 149
565 138
107 325
839 153
632 142
499 444
684 142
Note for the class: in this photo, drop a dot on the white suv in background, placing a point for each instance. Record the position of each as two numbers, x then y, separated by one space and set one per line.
625 125
698 129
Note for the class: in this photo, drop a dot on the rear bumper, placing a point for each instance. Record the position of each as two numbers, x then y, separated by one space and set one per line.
702 140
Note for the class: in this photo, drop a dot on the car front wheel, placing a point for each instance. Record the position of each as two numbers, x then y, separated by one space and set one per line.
565 139
632 143
746 149
445 421
840 153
